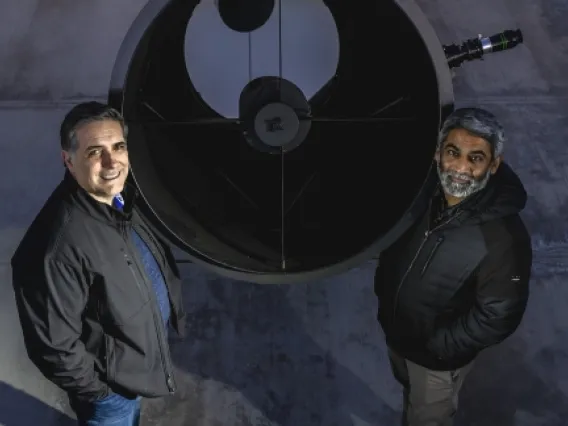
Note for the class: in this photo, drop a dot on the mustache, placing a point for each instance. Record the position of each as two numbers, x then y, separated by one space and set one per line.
461 176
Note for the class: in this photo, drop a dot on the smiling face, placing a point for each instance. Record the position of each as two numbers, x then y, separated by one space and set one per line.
465 164
100 161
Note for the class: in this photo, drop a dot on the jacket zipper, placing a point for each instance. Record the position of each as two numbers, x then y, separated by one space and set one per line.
431 255
159 330
426 235
169 377
130 264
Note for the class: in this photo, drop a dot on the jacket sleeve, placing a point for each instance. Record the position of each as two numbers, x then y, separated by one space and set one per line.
50 305
501 299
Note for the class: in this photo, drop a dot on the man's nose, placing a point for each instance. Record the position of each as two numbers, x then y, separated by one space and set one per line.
462 166
108 159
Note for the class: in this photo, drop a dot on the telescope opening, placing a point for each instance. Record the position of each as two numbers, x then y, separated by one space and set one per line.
360 146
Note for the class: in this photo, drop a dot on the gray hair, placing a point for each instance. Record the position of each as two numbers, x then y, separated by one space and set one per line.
84 113
478 122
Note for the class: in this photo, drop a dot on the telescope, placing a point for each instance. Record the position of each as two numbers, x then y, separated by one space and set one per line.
284 141
476 48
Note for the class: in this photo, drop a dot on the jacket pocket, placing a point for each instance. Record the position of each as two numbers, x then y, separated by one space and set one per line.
439 241
135 275
109 358
122 296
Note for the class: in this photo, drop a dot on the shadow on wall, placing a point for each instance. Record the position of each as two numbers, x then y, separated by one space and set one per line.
507 389
250 338
20 409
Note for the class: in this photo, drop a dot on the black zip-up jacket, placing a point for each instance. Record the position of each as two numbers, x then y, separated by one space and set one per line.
90 318
458 282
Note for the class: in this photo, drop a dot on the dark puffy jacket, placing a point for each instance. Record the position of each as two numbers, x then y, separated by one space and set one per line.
89 314
455 284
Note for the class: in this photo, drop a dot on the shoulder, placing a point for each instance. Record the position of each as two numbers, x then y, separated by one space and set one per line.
507 231
506 239
52 235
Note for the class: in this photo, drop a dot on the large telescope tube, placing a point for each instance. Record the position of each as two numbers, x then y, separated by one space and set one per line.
288 153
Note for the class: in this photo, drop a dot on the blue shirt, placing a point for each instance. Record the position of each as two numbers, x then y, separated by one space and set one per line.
151 268
155 275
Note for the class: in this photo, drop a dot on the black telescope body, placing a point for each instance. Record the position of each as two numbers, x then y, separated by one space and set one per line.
294 188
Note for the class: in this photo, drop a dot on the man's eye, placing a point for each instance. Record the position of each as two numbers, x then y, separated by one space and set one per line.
93 153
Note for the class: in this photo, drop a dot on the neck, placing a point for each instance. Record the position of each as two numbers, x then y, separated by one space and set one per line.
451 200
102 199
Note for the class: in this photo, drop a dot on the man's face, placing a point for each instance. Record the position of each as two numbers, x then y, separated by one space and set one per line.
465 163
100 164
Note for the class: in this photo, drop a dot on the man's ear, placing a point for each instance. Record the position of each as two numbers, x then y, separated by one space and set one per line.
66 157
496 164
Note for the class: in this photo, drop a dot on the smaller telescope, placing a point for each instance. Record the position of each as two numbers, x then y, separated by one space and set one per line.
475 48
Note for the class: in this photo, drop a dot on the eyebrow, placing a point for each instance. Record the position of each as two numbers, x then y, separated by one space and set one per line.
103 146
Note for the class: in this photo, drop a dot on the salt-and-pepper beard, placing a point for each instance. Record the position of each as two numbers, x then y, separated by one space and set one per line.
461 189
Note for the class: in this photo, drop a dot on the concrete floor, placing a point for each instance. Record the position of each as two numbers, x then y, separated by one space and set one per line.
301 355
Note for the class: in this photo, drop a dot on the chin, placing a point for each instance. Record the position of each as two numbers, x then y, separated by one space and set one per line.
118 187
111 188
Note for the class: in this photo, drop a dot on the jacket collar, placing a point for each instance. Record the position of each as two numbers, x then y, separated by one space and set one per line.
100 211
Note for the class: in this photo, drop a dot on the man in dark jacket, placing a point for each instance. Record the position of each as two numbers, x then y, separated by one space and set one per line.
457 281
95 287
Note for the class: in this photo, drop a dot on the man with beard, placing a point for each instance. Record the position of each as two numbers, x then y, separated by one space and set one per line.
95 286
457 281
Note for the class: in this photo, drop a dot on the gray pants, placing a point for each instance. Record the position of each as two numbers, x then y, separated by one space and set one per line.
430 397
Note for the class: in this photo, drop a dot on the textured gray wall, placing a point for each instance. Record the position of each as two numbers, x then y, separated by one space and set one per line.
60 49
304 354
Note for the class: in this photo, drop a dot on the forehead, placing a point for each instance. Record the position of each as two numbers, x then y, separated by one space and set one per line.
101 132
467 142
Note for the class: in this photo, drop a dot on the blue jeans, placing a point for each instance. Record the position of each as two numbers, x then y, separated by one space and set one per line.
114 410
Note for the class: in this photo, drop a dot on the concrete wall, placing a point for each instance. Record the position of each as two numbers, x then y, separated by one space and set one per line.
61 49
304 354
